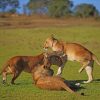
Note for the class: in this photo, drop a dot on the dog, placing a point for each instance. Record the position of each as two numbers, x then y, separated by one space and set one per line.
17 64
74 52
55 58
44 79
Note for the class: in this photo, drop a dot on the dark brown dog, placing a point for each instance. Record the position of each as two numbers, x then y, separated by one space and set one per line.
55 58
43 79
17 64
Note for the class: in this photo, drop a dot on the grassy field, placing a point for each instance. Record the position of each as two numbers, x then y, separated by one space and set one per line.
30 42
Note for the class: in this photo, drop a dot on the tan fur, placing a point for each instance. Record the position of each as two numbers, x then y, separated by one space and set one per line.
74 52
41 71
43 79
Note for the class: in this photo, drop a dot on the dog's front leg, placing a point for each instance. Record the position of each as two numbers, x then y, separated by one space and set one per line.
59 72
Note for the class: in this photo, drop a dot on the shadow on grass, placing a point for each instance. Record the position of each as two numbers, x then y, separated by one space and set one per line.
73 84
96 80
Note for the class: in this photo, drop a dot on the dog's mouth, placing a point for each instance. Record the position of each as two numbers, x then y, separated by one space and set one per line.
45 48
46 67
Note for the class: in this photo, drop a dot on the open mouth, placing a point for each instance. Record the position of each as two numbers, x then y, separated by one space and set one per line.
45 48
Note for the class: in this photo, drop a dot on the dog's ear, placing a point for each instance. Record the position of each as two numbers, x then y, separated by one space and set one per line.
52 36
55 41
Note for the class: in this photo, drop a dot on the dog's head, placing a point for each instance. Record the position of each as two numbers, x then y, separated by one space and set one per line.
40 71
49 42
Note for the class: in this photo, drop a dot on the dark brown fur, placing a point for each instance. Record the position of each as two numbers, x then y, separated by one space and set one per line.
17 64
55 58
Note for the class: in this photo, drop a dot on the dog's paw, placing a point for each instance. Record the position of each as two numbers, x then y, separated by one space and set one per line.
78 84
87 81
3 82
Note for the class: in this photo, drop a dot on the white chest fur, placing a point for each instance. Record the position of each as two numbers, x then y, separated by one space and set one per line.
71 57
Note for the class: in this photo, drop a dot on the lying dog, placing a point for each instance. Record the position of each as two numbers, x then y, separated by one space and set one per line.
74 52
43 79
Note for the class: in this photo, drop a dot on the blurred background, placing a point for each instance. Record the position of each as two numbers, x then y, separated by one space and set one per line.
46 9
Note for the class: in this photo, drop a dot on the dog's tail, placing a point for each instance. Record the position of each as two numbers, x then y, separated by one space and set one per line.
95 59
1 72
4 67
67 88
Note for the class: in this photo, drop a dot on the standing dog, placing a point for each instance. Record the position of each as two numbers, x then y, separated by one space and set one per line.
74 52
17 64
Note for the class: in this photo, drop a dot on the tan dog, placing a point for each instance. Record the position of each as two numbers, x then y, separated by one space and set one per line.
74 52
43 79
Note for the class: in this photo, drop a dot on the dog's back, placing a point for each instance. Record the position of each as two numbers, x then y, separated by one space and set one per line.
17 64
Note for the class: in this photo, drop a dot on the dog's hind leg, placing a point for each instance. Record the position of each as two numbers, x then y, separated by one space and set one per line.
15 76
84 66
4 74
89 71
4 78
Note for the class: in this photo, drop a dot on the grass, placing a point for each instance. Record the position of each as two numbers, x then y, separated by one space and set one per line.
30 42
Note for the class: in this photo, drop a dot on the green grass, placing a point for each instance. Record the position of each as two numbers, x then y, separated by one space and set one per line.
30 42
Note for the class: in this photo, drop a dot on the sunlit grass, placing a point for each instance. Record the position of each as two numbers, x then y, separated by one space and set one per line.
30 42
